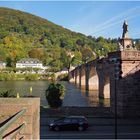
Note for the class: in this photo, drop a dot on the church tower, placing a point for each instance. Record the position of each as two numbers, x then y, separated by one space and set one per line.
126 42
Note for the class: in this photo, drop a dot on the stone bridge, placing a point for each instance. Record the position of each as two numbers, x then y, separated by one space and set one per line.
100 75
93 75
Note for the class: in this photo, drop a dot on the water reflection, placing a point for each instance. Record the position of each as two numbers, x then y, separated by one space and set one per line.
73 97
93 98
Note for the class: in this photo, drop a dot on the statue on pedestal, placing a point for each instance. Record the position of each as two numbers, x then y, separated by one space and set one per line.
126 42
125 30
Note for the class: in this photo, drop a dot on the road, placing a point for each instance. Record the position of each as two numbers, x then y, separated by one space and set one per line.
100 128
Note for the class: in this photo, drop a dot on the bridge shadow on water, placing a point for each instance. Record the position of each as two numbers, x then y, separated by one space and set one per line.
94 100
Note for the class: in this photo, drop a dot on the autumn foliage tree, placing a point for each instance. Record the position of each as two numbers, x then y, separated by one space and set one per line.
23 35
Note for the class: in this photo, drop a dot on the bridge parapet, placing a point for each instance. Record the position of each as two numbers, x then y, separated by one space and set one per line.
10 106
125 55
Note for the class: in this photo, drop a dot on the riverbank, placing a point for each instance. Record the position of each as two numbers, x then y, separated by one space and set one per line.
32 77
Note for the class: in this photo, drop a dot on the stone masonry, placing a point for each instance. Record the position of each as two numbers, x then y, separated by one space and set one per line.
128 87
10 106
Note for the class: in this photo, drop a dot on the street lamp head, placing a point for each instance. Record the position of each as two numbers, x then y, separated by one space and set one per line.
134 42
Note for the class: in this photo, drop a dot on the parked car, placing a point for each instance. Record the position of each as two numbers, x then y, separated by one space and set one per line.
69 123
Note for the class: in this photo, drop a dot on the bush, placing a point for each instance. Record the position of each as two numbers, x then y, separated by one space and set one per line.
6 93
14 76
7 76
55 95
31 77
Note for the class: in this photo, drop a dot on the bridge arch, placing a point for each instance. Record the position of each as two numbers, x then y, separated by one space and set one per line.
71 76
93 79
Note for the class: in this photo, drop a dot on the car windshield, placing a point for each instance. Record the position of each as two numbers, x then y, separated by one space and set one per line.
74 120
67 120
60 119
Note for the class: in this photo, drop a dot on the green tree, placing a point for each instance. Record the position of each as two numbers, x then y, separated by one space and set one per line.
38 53
55 95
27 35
87 54
67 58
9 62
77 58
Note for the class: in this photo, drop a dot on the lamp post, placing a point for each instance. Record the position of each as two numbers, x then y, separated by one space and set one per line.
117 76
30 89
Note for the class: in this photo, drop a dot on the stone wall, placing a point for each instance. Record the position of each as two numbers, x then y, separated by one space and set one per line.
126 89
10 106
128 95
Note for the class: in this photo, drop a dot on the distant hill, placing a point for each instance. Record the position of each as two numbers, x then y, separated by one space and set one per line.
24 35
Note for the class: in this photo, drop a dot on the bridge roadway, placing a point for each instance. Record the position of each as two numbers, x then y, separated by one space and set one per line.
100 128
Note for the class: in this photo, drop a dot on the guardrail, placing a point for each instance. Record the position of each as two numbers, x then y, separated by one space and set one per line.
7 123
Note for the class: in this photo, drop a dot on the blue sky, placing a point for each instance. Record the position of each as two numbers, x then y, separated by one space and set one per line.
96 18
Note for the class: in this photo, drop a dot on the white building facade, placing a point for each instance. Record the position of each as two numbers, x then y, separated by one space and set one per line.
29 62
2 65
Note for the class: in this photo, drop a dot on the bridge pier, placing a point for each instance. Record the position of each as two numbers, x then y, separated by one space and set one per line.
71 77
82 83
77 77
93 80
104 79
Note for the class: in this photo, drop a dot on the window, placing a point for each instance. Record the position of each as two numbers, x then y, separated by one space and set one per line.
74 120
81 120
67 120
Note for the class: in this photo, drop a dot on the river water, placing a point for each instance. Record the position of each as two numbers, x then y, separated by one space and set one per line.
73 95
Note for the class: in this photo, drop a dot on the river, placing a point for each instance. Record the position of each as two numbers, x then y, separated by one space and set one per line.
73 95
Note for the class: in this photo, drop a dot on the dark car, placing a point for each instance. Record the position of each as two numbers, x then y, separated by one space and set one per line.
69 123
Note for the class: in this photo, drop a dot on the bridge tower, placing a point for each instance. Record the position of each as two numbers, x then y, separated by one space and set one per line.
127 88
99 75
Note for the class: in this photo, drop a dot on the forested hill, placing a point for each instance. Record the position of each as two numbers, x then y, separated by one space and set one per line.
23 35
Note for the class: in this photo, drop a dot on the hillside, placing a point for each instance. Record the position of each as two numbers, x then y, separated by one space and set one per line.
24 35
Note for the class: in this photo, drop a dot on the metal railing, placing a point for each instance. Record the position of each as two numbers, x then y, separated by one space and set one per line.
7 123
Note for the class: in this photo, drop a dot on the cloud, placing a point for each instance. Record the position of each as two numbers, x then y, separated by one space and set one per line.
129 14
88 24
84 22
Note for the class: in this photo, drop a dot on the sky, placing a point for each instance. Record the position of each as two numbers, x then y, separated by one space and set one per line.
95 18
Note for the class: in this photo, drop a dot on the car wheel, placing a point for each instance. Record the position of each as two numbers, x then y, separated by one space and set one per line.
56 128
80 128
50 128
